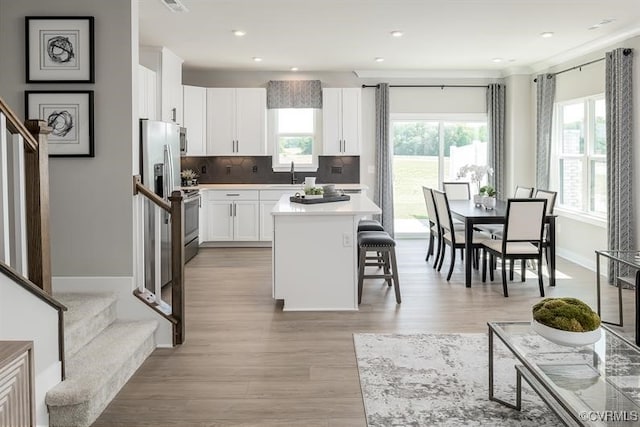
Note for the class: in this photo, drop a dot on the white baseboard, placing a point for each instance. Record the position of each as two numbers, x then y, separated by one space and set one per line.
128 306
44 382
588 263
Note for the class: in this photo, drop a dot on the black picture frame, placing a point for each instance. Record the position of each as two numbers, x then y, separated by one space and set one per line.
70 115
60 49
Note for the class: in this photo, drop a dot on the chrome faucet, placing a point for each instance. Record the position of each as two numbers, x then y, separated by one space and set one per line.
293 174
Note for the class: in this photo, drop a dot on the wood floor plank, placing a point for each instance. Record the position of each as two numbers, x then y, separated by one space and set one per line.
247 363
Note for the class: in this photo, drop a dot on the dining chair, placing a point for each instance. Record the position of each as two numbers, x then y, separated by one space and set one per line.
523 192
457 190
522 239
551 203
434 225
495 230
449 235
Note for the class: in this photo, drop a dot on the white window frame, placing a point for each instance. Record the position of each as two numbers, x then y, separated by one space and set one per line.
272 142
584 213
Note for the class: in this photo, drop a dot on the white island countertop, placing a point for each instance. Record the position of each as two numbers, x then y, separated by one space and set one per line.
359 205
294 187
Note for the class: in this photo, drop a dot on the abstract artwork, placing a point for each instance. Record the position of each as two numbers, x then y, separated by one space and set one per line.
69 114
60 49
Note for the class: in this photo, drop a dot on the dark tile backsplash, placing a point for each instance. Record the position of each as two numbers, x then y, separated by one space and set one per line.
258 170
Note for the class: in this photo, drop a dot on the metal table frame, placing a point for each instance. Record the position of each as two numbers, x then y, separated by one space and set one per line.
614 256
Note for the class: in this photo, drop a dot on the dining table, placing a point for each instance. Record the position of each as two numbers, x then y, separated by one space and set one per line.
473 215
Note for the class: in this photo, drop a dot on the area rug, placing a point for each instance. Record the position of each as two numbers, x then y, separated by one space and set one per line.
440 380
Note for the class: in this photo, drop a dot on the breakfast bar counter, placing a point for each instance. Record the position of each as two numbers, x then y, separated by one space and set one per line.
315 253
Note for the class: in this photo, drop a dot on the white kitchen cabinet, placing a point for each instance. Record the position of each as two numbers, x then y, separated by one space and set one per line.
146 93
195 119
232 215
168 68
341 121
236 120
268 199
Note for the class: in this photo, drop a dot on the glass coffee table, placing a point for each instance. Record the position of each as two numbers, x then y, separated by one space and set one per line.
594 385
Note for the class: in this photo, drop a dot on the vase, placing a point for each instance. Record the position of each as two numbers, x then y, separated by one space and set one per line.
478 199
489 202
567 338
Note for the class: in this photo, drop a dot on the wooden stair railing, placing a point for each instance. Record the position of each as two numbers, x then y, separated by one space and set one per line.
25 254
175 312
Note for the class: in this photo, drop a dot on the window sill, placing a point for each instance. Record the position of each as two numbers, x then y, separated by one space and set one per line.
582 217
309 168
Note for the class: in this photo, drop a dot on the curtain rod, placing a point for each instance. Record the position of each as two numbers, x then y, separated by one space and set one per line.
440 86
625 52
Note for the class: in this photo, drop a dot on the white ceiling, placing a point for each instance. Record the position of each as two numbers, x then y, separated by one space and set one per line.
346 35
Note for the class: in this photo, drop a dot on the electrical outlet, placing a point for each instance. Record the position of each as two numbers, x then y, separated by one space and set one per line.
203 169
254 169
228 169
346 240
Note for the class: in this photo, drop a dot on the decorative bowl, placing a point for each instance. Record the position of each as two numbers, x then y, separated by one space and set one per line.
566 338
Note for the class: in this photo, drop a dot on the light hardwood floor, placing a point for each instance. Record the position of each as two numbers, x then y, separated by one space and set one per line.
247 363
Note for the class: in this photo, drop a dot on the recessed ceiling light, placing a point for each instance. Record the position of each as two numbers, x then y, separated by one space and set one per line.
239 33
397 33
379 59
257 59
294 68
601 23
497 60
175 5
546 34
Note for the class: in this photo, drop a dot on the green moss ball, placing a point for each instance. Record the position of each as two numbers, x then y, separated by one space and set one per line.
567 314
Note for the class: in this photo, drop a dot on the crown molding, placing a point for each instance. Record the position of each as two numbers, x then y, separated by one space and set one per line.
428 74
586 48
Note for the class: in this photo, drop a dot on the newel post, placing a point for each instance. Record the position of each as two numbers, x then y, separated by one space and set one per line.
177 265
37 206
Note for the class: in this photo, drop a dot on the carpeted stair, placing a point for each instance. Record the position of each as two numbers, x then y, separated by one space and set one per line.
101 355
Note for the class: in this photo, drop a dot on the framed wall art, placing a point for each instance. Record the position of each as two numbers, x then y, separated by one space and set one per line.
70 116
60 49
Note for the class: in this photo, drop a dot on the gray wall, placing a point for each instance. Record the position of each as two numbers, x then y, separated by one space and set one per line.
91 200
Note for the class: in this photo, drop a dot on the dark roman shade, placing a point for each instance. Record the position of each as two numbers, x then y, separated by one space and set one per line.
294 94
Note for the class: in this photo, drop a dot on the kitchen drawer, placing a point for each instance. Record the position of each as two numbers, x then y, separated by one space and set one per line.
230 195
275 195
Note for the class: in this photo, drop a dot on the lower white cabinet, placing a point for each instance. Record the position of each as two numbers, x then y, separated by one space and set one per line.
268 199
231 216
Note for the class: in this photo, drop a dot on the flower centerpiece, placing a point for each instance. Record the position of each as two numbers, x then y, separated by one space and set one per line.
189 177
475 174
566 321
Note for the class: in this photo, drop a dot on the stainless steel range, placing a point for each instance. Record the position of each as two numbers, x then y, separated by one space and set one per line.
191 223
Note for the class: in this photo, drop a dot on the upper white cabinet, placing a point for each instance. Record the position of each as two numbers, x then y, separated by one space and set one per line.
236 120
146 93
341 121
195 119
168 67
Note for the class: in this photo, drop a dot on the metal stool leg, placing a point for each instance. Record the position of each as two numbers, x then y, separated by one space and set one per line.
363 256
394 268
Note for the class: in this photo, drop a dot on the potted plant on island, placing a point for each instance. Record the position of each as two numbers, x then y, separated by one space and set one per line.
566 321
489 197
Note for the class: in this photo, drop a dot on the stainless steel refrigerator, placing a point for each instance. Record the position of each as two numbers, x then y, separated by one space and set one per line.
160 171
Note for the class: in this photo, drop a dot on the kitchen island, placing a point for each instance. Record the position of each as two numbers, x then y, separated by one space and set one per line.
315 253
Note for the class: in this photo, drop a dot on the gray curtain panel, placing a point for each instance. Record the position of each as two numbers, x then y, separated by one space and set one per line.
294 94
383 194
619 107
496 121
545 95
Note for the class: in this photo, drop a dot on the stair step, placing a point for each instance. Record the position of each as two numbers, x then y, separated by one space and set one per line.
98 372
87 316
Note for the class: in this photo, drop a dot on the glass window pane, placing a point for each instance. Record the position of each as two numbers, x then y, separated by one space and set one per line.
573 129
465 143
298 149
600 128
571 183
415 163
295 120
598 203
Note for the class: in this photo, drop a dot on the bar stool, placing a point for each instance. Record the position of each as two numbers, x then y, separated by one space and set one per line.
369 225
379 242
